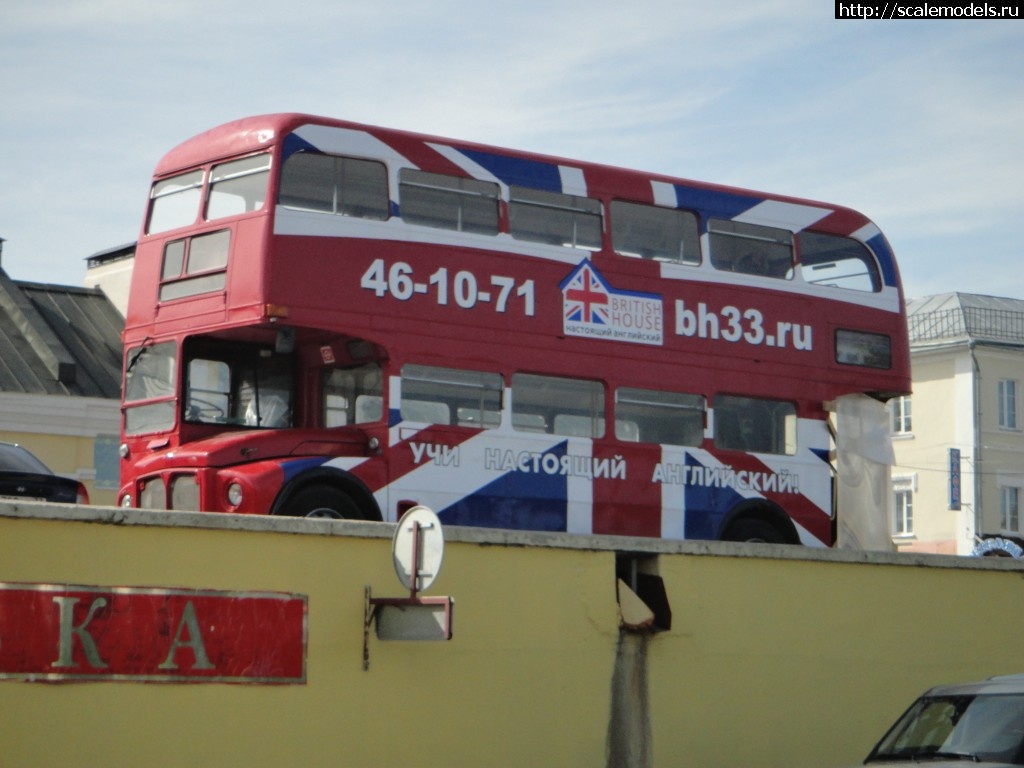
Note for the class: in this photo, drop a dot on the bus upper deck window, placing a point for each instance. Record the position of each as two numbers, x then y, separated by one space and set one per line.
751 249
175 202
238 187
448 202
346 186
651 232
540 216
835 261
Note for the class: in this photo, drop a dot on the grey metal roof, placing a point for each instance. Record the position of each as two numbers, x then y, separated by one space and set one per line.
58 340
107 255
949 318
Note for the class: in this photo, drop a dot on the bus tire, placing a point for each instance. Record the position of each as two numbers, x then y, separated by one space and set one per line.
323 502
753 530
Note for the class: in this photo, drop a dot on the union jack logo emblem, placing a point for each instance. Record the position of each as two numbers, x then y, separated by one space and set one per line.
586 296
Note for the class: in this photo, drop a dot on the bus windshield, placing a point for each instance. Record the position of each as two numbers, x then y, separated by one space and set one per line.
241 385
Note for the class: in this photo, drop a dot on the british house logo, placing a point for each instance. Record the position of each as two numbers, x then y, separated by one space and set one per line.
592 308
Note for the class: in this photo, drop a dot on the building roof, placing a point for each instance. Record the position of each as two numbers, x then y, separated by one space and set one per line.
107 255
953 318
58 340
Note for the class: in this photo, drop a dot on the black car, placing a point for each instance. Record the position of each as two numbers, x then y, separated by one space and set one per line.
23 476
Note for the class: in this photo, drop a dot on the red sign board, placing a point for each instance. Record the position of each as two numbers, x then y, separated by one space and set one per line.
57 632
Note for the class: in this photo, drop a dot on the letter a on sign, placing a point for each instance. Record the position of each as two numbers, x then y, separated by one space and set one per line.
189 625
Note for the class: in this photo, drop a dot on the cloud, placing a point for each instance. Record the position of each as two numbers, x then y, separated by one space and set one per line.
915 123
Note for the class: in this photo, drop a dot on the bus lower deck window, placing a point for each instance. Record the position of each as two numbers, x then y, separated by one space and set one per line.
650 416
451 396
755 424
557 405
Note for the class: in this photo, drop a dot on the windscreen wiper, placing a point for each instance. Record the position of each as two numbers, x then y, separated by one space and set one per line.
911 756
146 343
969 757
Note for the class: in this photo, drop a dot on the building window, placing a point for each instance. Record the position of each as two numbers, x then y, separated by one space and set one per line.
1009 508
107 462
1008 404
901 422
903 511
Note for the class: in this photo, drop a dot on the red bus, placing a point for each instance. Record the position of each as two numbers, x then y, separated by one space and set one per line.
329 319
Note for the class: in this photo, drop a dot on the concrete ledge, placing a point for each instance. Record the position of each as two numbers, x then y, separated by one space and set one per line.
32 510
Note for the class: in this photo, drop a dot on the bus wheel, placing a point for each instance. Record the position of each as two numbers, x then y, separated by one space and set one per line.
323 502
752 529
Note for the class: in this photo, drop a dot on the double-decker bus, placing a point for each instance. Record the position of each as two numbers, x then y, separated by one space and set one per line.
329 319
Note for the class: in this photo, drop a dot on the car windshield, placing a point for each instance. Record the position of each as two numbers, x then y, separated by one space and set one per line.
15 458
977 728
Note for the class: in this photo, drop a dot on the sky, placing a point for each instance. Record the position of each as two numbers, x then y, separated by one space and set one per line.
918 124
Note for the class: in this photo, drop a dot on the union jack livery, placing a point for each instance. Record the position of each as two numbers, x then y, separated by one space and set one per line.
336 320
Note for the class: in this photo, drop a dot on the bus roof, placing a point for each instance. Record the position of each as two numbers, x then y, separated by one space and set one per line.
250 134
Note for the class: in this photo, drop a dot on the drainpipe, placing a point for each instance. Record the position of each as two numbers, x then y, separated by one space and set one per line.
976 385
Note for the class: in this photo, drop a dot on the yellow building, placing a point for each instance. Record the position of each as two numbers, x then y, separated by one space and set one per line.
958 440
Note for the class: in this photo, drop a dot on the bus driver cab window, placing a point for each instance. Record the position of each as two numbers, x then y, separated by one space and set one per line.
239 385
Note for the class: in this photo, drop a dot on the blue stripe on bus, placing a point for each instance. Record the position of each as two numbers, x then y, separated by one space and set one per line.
723 205
293 144
822 453
708 506
298 466
886 259
516 170
524 501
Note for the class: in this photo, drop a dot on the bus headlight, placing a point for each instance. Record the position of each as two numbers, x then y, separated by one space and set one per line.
235 495
126 500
